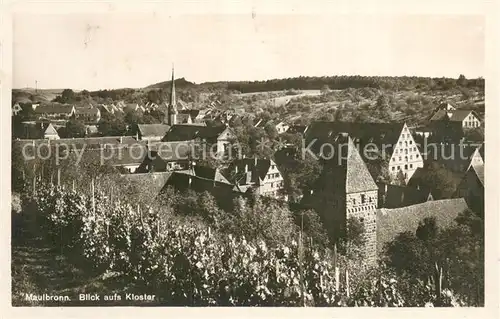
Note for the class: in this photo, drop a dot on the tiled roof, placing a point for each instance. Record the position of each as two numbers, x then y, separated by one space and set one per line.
87 142
53 109
391 222
182 180
358 178
250 170
451 154
400 196
191 132
360 133
347 175
153 129
87 110
123 156
173 151
207 173
459 115
479 169
439 115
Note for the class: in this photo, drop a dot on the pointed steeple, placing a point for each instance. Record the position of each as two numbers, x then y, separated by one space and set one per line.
173 102
172 105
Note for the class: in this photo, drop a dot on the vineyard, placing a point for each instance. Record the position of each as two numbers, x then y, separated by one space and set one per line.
185 264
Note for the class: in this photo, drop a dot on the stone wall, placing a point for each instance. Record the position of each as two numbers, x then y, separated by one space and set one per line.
364 207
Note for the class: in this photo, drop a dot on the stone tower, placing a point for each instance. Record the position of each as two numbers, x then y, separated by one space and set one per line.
346 189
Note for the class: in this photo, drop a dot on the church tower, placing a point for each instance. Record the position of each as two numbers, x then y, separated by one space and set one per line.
172 105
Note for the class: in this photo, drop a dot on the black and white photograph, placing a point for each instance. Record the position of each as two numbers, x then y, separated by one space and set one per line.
254 159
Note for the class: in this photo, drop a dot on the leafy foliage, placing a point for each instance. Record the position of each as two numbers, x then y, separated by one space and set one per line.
187 264
459 250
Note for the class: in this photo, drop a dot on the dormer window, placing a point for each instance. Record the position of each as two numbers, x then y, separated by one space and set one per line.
363 198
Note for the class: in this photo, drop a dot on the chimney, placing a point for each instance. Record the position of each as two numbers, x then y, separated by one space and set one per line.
121 139
236 169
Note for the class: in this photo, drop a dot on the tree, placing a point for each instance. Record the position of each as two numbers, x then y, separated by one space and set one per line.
439 180
111 125
73 129
262 219
67 96
271 131
457 249
462 81
427 229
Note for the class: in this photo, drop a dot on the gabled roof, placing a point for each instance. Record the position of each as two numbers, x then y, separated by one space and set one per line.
459 115
400 196
250 170
173 151
439 115
153 129
192 113
358 178
181 132
182 180
452 155
391 222
50 130
360 133
54 109
345 172
87 110
479 171
89 142
207 173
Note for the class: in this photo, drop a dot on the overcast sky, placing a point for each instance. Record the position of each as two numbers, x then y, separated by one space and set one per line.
89 51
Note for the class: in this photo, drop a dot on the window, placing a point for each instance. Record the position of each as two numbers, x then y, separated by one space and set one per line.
399 167
354 201
411 142
406 151
411 157
406 166
400 143
406 158
272 185
411 165
417 156
393 159
393 168
400 158
363 198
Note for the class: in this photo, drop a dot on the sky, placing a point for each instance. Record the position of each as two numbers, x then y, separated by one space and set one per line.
116 50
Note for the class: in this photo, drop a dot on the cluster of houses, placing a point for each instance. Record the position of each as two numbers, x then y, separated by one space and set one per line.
165 155
448 123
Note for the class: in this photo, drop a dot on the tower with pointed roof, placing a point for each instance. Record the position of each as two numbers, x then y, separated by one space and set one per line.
172 104
346 189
